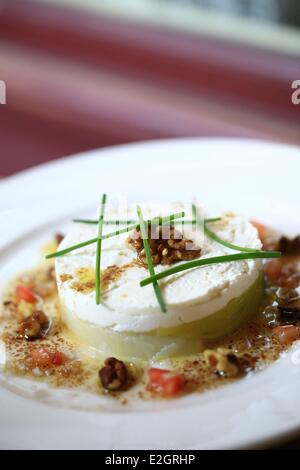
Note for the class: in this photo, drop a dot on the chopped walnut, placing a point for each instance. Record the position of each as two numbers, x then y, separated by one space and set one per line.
113 375
34 327
225 363
289 246
167 245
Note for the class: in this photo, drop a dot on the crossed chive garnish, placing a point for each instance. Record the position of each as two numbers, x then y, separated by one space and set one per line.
247 253
206 261
129 228
98 251
144 234
142 225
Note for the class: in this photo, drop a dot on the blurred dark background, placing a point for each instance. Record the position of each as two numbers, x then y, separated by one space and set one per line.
87 74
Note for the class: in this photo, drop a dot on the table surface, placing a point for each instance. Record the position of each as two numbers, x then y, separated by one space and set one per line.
78 81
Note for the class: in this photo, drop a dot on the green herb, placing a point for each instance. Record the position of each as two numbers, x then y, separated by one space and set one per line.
202 224
126 222
144 234
206 261
212 219
169 218
98 252
217 239
105 222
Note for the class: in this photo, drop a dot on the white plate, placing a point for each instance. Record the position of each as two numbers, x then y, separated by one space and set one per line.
258 179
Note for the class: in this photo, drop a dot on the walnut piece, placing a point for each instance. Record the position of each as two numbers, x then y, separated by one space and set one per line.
34 327
224 362
113 375
167 245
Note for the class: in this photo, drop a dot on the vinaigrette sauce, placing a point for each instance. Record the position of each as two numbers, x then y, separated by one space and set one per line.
67 364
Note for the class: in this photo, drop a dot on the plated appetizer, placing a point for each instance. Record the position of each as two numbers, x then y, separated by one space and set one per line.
154 301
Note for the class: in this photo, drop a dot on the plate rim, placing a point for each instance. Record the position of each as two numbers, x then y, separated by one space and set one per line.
120 147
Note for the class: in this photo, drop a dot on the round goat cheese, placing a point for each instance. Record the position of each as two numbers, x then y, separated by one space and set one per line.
190 296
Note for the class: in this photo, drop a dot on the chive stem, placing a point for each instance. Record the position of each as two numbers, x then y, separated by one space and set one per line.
169 218
144 234
105 222
98 252
210 234
126 222
206 261
217 239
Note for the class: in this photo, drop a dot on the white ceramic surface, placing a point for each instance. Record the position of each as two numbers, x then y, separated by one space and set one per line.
258 179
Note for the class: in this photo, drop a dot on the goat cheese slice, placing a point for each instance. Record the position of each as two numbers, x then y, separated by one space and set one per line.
190 295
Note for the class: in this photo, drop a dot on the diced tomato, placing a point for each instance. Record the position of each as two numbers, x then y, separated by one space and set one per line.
157 375
41 357
165 382
262 229
24 293
44 358
287 333
172 386
58 358
273 270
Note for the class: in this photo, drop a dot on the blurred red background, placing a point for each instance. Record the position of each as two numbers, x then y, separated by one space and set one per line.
77 81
